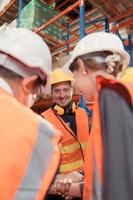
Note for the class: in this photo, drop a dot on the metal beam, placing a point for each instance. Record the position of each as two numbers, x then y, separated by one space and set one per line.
122 25
19 12
50 2
65 43
62 4
63 27
86 15
82 18
69 9
43 35
122 15
106 24
7 7
93 29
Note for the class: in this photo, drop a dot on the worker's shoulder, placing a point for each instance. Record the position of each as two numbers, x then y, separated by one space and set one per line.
46 112
17 117
17 110
26 112
36 121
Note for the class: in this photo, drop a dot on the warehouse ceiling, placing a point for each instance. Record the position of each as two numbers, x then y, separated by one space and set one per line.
61 28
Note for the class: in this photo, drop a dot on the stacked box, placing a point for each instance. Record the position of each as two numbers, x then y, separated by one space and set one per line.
36 13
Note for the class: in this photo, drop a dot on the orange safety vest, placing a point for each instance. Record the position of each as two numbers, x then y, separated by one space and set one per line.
73 147
29 153
94 186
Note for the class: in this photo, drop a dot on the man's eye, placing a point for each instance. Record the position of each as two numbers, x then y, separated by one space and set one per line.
66 90
56 91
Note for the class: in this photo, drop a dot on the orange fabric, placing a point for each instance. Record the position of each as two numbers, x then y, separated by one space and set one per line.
90 105
69 138
94 151
94 148
17 121
18 125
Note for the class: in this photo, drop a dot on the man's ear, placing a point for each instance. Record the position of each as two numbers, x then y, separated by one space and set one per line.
27 83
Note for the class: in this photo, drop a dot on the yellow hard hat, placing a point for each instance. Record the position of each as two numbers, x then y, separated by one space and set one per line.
128 75
59 76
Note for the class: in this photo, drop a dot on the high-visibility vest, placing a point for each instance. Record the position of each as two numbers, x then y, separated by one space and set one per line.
73 147
29 153
99 157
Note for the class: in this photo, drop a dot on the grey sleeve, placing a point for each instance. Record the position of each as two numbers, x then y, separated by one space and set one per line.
117 133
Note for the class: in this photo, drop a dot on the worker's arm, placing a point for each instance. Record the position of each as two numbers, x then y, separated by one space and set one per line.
67 184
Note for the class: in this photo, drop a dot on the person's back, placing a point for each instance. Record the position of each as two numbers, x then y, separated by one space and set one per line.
29 150
109 160
23 136
110 144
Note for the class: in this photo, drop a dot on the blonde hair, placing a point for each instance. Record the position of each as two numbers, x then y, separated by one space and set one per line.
107 61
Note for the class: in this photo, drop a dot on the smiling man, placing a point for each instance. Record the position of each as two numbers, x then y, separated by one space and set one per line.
72 121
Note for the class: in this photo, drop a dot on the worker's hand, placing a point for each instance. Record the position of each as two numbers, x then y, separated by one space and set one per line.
63 187
74 176
63 182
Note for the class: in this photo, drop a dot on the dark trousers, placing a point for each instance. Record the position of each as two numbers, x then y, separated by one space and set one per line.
57 197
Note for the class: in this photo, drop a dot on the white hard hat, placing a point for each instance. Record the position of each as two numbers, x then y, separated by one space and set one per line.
99 41
24 52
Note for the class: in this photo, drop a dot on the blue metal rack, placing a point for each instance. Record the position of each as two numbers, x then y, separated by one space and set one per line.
82 34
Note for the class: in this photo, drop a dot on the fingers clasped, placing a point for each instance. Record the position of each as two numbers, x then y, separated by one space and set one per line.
62 187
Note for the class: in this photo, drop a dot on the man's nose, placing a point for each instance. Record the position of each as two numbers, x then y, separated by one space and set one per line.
62 94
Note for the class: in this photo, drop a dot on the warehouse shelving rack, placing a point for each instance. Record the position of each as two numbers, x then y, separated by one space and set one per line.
95 20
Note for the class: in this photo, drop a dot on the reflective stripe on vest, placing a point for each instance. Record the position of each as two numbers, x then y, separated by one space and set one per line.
73 147
71 166
28 150
41 158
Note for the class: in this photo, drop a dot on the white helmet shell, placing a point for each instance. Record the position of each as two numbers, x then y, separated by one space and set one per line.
99 41
28 48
